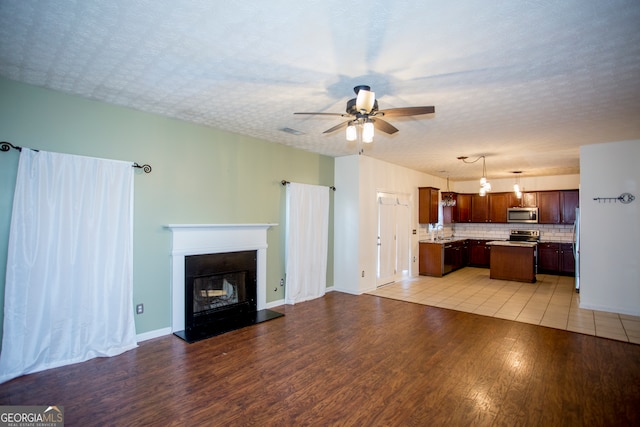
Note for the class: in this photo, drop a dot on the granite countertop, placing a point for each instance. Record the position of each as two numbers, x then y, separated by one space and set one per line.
512 243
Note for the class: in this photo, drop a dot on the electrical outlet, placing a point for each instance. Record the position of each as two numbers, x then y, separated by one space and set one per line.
139 308
362 273
281 282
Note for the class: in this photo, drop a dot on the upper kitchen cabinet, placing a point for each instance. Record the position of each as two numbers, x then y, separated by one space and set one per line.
428 205
463 206
557 207
450 213
479 208
549 207
569 200
498 204
527 200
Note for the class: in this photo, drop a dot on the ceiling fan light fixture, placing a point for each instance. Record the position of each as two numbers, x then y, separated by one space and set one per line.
365 100
367 132
352 132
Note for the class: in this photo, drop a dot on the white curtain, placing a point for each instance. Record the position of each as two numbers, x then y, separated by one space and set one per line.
307 237
68 292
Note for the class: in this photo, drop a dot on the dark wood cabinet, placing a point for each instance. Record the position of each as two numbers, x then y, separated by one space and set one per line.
557 207
529 200
479 208
567 261
463 205
428 205
450 213
479 253
498 204
438 259
556 258
431 262
549 207
548 257
569 200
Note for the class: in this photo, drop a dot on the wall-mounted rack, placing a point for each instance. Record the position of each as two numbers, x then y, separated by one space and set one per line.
624 198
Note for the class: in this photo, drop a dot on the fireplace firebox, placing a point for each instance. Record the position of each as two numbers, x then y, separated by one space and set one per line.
221 294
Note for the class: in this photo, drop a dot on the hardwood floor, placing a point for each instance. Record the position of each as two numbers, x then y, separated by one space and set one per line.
353 360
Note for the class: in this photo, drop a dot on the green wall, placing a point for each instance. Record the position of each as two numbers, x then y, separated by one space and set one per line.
200 175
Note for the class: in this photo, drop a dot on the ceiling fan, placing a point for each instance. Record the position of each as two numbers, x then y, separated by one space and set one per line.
363 110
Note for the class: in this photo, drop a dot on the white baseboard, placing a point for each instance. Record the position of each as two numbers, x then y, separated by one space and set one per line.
280 302
153 334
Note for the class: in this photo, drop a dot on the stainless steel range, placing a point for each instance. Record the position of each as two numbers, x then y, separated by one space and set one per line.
524 236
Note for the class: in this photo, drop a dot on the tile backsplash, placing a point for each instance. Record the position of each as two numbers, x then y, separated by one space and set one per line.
548 232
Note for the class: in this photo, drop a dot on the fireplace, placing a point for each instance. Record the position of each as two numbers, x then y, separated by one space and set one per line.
218 278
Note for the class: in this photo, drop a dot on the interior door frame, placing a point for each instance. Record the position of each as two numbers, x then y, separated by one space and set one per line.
402 207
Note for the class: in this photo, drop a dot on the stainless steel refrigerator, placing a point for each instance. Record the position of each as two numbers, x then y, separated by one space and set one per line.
576 247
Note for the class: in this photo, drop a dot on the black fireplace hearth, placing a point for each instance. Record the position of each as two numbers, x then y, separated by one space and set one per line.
221 294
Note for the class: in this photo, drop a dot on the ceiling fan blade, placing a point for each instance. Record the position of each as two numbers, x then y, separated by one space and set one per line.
407 111
336 127
327 114
383 126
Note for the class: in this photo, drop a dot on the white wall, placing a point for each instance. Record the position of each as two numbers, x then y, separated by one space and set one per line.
610 232
359 179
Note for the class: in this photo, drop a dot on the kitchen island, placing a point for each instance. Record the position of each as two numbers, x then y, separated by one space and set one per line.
512 260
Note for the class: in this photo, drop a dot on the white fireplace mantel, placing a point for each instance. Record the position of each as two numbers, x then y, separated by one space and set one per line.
199 239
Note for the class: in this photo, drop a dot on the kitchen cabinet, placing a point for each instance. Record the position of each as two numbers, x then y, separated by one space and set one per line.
511 262
498 204
428 205
438 259
479 208
450 213
529 200
463 205
569 200
556 258
479 253
557 207
431 262
549 207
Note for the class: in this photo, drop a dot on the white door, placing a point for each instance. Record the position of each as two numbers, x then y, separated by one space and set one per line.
386 241
393 238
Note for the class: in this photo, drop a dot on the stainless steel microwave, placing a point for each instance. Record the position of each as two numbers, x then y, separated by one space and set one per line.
525 215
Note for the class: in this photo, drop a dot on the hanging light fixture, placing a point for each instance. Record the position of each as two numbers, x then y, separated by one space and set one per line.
447 198
352 132
485 185
516 186
367 131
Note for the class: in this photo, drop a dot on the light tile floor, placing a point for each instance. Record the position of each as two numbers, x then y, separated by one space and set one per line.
552 301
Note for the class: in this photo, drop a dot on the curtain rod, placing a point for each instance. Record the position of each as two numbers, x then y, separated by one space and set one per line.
6 146
285 182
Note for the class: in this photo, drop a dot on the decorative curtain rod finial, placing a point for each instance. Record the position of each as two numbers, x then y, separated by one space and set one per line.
6 146
145 168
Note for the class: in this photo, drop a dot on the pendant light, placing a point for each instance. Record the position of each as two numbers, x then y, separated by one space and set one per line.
485 185
448 199
516 186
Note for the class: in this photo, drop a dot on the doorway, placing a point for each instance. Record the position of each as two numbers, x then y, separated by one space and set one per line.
393 238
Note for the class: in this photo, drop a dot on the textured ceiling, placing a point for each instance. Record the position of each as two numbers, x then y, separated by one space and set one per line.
523 82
